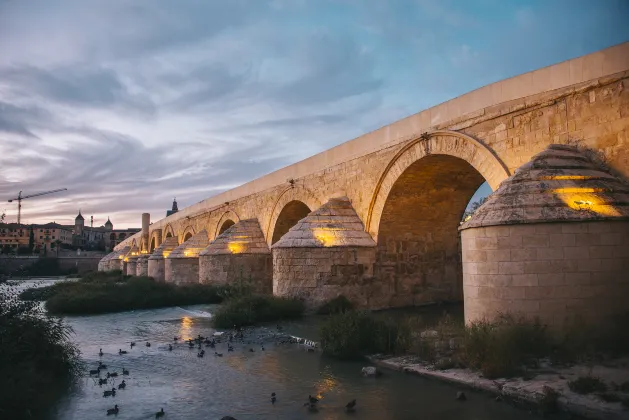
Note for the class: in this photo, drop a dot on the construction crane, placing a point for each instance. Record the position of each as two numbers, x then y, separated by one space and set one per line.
19 199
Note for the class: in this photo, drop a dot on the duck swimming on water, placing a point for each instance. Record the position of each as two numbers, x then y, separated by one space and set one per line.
113 411
100 353
351 405
122 385
160 413
121 352
148 344
273 399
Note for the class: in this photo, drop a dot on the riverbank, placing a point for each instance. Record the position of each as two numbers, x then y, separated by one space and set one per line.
533 389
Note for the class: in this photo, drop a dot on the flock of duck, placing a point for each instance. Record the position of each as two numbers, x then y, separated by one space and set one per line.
199 342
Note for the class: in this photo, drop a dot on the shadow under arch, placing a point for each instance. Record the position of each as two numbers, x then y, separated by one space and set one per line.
292 205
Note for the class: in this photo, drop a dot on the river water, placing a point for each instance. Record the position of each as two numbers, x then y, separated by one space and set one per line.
241 382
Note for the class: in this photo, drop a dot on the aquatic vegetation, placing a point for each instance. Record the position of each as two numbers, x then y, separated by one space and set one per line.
353 334
336 305
250 310
96 295
37 360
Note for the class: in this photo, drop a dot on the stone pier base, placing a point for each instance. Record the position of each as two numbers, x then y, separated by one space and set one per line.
155 269
141 268
181 270
254 270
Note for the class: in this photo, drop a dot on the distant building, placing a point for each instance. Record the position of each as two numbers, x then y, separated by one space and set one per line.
13 235
174 210
103 237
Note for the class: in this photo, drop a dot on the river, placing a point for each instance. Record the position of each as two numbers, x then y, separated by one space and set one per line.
241 382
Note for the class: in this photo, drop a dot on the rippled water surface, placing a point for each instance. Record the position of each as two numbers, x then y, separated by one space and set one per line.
240 383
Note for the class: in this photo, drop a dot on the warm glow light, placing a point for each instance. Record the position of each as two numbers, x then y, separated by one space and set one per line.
565 177
166 254
186 326
585 199
325 236
236 247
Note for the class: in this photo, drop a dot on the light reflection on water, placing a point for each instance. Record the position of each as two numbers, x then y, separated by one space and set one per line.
240 383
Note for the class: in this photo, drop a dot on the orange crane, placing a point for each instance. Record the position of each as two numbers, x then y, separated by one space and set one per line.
19 199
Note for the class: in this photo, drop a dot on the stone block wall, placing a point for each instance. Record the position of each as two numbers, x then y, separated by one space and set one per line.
131 266
320 274
550 270
141 268
156 269
253 269
181 270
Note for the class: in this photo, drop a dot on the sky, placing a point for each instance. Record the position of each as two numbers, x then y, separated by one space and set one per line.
129 103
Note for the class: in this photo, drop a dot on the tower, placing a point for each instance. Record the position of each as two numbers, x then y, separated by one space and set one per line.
79 224
109 225
174 210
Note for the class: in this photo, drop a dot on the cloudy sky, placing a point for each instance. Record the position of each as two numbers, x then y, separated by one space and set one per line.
128 103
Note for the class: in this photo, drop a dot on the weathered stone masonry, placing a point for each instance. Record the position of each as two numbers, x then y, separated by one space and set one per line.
409 182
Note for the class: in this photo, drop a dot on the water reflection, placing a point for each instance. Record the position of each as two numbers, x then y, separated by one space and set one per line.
241 382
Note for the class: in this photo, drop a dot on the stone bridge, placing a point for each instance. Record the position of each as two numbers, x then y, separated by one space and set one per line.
378 218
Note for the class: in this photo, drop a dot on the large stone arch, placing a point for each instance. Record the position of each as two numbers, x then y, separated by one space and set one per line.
155 239
224 222
442 142
290 194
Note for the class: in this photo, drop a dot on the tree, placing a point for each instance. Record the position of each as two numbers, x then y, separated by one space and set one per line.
31 239
472 208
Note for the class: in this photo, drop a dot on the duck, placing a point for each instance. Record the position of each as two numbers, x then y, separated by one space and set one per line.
125 371
113 411
170 347
132 344
148 344
122 385
262 348
190 344
102 381
175 338
121 352
111 393
273 399
251 350
101 366
201 353
112 374
218 354
350 405
230 347
160 413
94 371
100 353
312 400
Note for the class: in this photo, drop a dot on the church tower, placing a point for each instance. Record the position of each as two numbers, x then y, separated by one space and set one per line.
79 224
174 210
109 225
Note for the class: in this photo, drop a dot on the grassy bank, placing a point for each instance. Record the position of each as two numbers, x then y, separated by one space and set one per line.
38 362
250 310
112 292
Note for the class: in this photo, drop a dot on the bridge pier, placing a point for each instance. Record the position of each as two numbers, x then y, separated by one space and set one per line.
103 264
118 263
156 262
326 254
552 242
240 255
141 268
182 265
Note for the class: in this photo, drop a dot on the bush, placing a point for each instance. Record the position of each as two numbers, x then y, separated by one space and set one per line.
587 385
334 306
249 310
97 294
500 348
38 362
353 334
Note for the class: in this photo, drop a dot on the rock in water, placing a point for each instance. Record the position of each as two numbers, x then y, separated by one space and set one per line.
370 371
460 396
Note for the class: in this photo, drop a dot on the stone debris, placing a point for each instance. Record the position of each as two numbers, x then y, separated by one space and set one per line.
370 371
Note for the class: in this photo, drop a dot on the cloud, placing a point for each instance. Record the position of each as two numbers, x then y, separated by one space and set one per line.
128 104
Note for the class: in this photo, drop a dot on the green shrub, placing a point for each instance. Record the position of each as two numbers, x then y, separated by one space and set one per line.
38 362
100 294
501 347
249 310
353 334
587 385
336 305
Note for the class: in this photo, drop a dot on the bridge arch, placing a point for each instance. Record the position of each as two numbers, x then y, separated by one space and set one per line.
416 210
229 218
188 233
153 244
293 204
442 142
168 232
